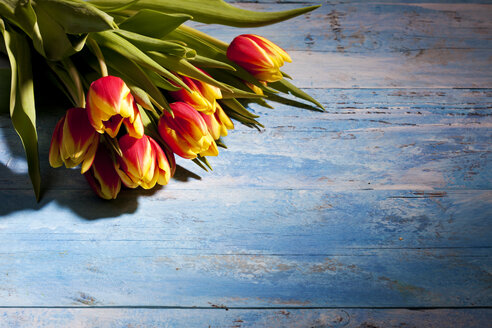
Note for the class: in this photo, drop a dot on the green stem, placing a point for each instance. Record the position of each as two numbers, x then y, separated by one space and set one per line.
74 75
100 57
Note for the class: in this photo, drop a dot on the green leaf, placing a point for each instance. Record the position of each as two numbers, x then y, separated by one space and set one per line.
236 106
142 98
160 82
77 16
153 23
119 7
243 120
287 87
214 11
146 43
117 43
46 22
221 45
201 45
291 102
183 67
55 43
238 93
22 107
199 163
205 62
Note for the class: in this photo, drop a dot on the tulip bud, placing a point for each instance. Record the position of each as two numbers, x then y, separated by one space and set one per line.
187 132
203 96
74 141
259 56
102 176
143 163
110 103
218 123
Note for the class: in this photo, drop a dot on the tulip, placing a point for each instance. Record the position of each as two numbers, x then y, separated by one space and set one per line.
259 56
187 133
102 176
218 123
143 163
110 104
203 96
74 141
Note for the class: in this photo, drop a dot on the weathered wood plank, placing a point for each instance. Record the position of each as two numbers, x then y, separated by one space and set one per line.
376 27
301 248
383 201
368 139
382 44
239 318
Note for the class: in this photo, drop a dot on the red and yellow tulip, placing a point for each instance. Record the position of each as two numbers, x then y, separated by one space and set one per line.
259 56
74 141
102 176
203 96
187 133
143 163
218 123
110 103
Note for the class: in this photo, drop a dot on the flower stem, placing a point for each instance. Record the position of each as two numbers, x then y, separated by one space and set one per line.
100 58
74 75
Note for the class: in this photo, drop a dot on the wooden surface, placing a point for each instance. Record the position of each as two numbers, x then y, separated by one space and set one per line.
375 213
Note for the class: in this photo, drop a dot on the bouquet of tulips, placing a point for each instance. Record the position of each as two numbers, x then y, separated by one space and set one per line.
144 87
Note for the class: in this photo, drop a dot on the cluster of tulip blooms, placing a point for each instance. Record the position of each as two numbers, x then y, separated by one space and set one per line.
143 85
89 136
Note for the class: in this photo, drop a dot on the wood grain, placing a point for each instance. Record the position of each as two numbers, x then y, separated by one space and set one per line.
241 318
328 219
381 44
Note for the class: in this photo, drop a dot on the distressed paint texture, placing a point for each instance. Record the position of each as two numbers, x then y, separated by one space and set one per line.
322 219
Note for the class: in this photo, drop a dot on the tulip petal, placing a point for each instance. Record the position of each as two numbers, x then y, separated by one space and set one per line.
102 176
135 129
89 158
163 168
55 158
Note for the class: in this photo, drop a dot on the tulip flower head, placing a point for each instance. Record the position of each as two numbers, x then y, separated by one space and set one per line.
74 141
143 163
218 123
187 133
110 103
203 96
259 56
102 176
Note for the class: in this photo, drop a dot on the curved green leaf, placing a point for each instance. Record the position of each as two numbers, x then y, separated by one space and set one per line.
213 11
22 108
146 43
287 87
182 66
77 16
153 23
236 106
203 62
119 44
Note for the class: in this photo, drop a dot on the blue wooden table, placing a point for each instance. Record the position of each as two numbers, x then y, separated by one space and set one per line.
375 213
